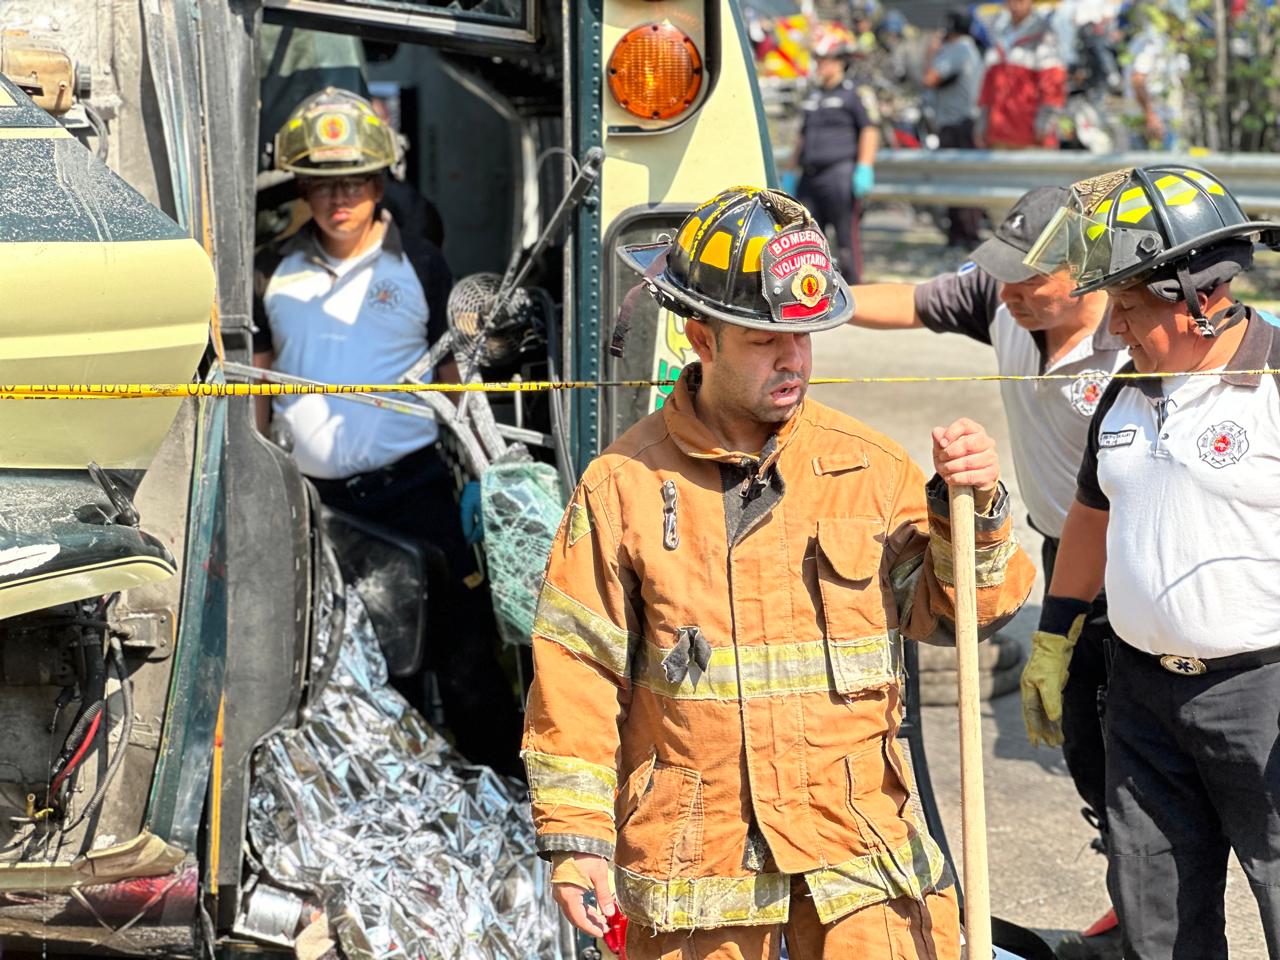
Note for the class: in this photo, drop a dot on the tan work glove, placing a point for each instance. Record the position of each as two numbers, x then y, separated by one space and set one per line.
1045 675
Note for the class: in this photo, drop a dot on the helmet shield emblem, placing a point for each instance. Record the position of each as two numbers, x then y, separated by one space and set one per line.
334 133
796 275
332 128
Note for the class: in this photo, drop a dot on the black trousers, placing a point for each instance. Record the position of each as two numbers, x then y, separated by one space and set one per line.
1083 746
1193 771
963 223
828 193
415 496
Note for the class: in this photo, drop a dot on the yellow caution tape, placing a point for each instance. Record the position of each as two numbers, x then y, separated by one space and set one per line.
145 391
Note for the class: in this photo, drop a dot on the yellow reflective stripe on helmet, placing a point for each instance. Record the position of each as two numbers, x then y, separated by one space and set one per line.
689 903
911 870
1134 205
1095 230
1210 185
685 240
775 669
716 251
1176 191
751 256
556 780
578 628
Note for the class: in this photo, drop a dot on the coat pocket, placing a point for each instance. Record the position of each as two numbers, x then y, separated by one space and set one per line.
879 796
661 836
855 621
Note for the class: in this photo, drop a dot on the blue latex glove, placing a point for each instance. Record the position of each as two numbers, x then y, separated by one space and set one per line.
790 182
864 178
472 515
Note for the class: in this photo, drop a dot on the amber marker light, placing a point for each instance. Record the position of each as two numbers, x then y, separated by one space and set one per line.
655 72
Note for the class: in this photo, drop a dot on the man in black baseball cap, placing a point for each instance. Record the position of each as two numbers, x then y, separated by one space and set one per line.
1035 326
1002 254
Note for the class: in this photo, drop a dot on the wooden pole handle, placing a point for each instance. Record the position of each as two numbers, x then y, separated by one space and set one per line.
977 895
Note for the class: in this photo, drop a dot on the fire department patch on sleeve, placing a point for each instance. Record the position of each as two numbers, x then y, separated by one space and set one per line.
1087 390
1223 444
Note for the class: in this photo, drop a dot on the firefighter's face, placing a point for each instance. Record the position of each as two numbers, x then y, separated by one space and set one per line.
342 206
1043 302
754 373
1161 336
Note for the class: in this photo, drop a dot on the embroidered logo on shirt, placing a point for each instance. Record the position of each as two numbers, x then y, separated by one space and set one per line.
1087 390
384 294
1223 444
1116 438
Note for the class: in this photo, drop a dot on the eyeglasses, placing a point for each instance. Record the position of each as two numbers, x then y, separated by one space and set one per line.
325 187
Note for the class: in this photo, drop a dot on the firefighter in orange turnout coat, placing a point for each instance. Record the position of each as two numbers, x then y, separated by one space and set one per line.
717 641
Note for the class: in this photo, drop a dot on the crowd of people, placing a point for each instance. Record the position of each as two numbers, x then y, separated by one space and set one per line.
1026 78
1029 75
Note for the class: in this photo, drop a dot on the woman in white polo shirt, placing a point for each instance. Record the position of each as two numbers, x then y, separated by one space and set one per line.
1179 502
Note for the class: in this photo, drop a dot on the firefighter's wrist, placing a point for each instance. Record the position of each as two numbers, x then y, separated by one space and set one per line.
984 498
1058 614
565 869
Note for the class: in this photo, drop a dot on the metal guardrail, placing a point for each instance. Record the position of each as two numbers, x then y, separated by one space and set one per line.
994 179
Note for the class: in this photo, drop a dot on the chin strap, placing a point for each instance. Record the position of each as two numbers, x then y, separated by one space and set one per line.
1228 317
1192 296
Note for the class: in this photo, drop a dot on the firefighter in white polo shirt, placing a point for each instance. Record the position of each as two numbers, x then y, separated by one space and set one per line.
1179 502
352 299
1034 326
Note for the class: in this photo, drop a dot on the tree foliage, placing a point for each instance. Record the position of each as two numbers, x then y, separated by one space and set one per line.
1233 88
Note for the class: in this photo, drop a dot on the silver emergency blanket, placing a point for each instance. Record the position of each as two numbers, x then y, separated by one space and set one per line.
411 852
522 506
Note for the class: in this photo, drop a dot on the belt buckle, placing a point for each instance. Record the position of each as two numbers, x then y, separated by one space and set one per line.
1183 666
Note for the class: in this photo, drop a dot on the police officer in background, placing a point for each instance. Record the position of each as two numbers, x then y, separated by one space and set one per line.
1178 501
837 151
352 299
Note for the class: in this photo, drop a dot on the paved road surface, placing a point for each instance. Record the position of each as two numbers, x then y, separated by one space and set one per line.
1043 874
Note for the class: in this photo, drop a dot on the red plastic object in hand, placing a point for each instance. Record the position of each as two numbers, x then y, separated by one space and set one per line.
615 938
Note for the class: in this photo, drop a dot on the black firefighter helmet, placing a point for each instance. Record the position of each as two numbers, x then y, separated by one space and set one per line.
748 256
1174 227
